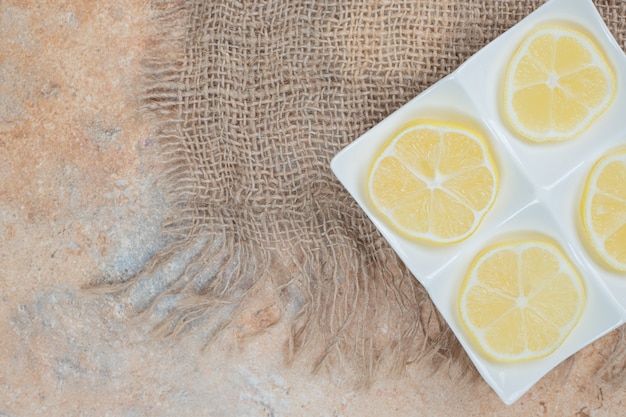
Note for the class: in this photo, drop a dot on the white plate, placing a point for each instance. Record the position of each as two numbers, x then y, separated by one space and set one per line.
539 191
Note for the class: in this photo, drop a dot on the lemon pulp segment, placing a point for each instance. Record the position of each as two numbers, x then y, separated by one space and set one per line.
433 181
603 209
557 83
520 300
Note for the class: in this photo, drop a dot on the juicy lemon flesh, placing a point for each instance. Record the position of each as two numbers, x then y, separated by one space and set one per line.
557 84
604 209
520 300
433 181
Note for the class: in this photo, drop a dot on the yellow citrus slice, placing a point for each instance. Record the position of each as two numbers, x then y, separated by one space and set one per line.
603 208
557 84
520 300
433 181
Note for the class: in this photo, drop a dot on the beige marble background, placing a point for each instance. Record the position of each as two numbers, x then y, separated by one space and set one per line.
78 202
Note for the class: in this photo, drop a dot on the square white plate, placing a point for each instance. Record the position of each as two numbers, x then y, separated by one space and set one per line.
540 187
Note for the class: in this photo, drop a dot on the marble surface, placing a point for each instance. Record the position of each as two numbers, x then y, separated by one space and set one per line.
79 203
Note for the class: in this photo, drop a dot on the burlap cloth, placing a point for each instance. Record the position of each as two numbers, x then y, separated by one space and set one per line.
252 100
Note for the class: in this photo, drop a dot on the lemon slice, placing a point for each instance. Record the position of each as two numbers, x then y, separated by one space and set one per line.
520 300
603 208
556 85
433 181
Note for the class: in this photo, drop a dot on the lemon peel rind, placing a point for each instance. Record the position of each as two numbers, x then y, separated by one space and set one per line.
585 207
441 126
475 333
598 58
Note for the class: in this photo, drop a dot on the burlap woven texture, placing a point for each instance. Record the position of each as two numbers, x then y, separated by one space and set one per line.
253 99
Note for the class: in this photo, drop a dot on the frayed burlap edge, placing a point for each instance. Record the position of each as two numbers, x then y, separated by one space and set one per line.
363 316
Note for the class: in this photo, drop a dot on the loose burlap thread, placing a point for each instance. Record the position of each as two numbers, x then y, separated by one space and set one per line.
252 100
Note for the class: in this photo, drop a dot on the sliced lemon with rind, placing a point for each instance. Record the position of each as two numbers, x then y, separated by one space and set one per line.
557 83
433 181
603 209
520 300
